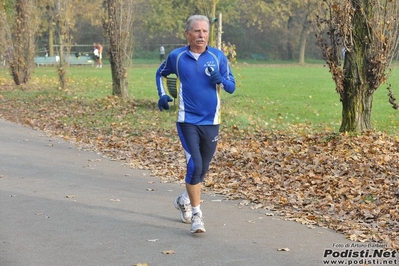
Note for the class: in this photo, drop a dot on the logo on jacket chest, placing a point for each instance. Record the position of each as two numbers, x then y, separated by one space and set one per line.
209 64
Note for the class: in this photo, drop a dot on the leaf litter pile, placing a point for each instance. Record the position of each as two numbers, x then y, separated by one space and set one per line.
348 183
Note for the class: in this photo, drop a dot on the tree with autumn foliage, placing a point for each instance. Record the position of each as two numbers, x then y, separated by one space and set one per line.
5 32
70 13
64 21
19 26
367 31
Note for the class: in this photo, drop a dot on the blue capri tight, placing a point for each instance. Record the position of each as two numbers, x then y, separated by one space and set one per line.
199 143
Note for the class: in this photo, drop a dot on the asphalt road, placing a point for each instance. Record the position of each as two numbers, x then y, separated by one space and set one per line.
63 206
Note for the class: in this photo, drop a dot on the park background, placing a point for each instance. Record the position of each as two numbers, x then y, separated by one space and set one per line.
282 30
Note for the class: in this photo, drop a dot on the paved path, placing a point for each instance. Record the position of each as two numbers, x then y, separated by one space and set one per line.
64 207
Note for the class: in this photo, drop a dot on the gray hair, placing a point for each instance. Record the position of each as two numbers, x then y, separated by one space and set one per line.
193 18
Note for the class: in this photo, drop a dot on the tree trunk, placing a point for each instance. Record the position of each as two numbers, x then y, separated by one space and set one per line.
63 30
62 66
357 97
118 24
119 79
51 39
290 51
302 41
23 52
212 37
302 44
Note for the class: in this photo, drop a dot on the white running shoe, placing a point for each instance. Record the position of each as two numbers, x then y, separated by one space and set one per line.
197 225
185 210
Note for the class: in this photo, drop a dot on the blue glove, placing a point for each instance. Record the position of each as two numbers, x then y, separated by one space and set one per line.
163 102
215 77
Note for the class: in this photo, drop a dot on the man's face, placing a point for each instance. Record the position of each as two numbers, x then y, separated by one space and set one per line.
198 36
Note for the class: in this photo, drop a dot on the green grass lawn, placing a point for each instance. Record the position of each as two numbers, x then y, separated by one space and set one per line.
270 96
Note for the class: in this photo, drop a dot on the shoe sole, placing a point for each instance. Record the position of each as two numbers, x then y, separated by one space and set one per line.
199 231
181 213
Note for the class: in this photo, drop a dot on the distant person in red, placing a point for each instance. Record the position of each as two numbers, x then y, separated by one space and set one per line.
98 53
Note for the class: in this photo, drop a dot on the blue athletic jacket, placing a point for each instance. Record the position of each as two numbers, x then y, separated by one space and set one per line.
198 99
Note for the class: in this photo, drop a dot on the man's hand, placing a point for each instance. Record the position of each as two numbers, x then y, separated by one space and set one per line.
215 77
163 102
